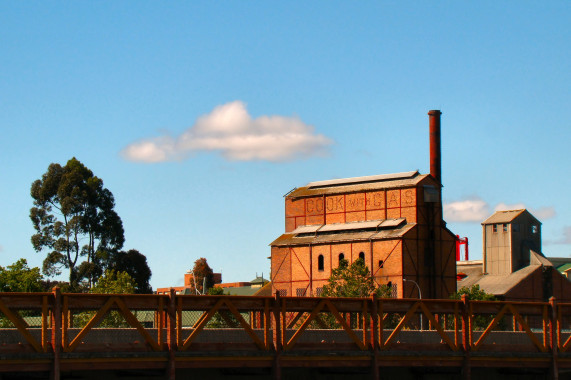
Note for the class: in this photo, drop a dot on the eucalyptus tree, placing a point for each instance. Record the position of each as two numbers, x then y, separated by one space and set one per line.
134 263
75 222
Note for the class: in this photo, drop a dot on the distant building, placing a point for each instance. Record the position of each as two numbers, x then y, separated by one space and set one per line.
512 266
188 286
254 287
563 265
393 222
508 238
244 288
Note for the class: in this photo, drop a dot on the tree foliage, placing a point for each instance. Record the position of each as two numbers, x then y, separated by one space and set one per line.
222 318
113 282
135 264
474 293
19 277
353 280
75 221
202 271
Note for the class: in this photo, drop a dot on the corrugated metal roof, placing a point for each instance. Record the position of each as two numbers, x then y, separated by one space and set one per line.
536 258
365 179
564 268
352 187
498 285
290 239
307 229
392 222
351 226
503 216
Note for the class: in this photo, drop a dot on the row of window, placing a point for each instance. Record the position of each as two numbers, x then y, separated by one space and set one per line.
515 227
321 260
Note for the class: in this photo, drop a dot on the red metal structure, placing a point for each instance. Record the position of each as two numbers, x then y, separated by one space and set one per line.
170 332
459 243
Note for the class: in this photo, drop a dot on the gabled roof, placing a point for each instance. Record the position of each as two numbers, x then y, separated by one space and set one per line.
358 184
503 216
507 216
536 258
500 285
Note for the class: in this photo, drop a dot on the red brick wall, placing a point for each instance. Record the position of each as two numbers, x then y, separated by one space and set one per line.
344 208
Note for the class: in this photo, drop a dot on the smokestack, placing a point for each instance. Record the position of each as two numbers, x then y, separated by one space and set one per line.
435 156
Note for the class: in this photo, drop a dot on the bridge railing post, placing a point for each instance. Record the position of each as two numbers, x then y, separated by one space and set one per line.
554 326
374 325
56 323
466 336
374 337
171 334
277 337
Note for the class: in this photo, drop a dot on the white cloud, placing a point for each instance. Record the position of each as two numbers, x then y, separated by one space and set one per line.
469 210
542 213
475 209
230 130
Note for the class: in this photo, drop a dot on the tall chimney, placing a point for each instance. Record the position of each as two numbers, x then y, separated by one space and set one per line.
435 156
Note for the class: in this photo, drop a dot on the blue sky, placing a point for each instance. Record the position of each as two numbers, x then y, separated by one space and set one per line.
200 116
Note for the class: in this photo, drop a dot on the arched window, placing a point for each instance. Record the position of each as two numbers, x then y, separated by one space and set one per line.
341 259
381 263
320 263
362 256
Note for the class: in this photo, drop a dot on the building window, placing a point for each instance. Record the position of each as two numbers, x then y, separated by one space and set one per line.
534 229
362 256
282 292
505 227
300 292
495 228
381 263
318 291
341 258
320 263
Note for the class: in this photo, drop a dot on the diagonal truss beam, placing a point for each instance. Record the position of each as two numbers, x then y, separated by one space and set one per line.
21 325
207 316
314 316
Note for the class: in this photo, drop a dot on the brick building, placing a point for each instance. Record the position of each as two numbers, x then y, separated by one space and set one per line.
393 222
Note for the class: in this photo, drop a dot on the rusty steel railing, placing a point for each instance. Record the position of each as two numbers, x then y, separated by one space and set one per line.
58 324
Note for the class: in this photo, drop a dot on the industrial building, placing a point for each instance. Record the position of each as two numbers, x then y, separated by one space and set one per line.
513 267
392 221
